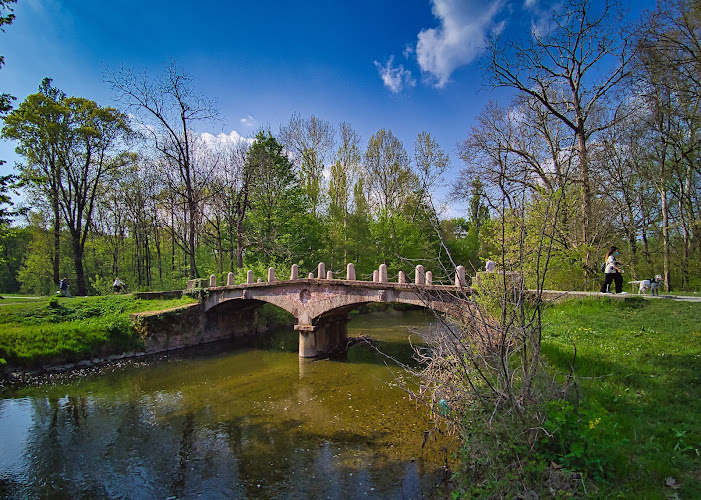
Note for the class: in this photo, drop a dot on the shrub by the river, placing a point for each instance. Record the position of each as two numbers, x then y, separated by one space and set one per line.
68 329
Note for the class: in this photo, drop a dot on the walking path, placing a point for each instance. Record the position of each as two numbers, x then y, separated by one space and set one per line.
557 294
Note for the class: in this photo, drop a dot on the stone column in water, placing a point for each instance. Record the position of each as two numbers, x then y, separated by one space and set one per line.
321 271
294 272
350 272
230 279
329 334
212 281
383 273
460 276
420 277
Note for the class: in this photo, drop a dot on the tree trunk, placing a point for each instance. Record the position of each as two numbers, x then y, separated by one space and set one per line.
665 237
78 259
56 258
192 208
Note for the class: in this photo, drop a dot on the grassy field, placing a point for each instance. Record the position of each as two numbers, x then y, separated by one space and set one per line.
60 329
636 429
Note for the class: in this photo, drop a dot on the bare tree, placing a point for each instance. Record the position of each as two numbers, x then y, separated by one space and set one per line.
572 69
310 140
388 176
232 187
169 106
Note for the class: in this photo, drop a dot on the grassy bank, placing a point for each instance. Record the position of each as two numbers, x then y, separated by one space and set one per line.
59 329
635 431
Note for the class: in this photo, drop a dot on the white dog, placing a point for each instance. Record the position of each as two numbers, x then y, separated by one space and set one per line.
652 284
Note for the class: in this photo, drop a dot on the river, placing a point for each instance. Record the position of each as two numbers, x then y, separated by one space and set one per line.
229 422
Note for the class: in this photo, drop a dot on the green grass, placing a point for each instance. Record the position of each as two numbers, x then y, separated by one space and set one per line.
59 329
639 368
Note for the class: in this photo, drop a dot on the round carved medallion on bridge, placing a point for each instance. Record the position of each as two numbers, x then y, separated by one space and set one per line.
304 296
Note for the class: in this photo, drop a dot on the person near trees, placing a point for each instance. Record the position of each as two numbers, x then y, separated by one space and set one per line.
118 285
63 287
490 265
613 272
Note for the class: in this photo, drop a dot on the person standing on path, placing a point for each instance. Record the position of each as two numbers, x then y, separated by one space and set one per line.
613 272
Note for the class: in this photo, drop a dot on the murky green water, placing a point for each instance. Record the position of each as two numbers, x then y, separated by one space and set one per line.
228 422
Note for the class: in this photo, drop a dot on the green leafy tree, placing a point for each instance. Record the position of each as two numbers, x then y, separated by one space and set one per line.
39 125
6 18
71 146
277 203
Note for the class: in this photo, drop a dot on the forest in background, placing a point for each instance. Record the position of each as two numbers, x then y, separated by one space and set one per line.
604 117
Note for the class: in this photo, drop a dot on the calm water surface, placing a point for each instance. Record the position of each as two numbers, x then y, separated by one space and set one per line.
225 422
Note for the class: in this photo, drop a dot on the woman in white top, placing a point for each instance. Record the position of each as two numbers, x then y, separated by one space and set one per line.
613 272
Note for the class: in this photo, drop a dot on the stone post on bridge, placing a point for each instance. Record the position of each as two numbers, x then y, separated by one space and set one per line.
249 277
294 272
212 281
271 275
383 273
402 277
419 277
350 272
230 279
460 277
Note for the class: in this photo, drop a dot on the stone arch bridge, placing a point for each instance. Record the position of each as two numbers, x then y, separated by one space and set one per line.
321 304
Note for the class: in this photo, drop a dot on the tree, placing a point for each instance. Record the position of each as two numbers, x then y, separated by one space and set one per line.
668 80
388 177
343 177
39 124
310 141
572 70
168 108
431 163
6 18
234 181
276 201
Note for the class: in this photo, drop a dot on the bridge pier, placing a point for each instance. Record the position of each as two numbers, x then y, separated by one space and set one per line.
328 334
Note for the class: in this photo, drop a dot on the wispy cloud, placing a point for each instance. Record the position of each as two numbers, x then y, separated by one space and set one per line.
395 78
459 39
249 121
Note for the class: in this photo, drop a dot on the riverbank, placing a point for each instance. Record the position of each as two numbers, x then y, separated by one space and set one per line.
53 333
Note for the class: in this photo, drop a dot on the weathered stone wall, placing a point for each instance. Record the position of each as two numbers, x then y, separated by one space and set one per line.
189 325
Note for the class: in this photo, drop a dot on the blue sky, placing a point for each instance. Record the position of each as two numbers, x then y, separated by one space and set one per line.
403 65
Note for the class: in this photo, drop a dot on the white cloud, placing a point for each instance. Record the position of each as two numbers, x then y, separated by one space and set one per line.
460 37
249 121
222 138
395 78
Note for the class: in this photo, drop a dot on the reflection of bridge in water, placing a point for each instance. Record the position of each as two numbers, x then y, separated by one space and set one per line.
321 304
